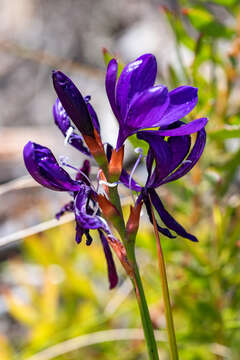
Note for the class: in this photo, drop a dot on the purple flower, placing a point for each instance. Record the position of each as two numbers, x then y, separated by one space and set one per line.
173 156
73 103
45 169
139 104
63 122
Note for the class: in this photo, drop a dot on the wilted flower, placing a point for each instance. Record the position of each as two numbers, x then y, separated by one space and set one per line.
45 169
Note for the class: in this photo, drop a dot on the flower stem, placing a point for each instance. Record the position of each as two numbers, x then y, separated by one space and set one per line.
166 297
145 316
137 282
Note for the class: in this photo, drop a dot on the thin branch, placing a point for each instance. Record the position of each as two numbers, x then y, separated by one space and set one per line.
18 184
92 339
45 58
118 297
27 181
8 239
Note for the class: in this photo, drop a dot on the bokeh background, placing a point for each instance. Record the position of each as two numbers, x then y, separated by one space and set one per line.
54 297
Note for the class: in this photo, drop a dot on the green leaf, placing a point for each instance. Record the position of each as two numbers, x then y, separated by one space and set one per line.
227 3
204 22
108 57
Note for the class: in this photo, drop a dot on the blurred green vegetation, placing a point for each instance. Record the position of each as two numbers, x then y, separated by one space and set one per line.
60 290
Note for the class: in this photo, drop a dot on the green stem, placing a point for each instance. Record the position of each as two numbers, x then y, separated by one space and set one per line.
145 316
166 297
136 280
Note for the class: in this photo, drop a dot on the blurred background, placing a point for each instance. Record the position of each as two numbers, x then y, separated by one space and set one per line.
54 297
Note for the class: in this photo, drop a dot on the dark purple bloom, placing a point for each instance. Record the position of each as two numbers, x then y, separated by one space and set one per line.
173 159
139 104
63 122
73 102
45 169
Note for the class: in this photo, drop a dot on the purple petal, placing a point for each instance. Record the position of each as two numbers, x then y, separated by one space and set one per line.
182 100
84 219
162 155
93 114
162 230
79 233
69 207
136 77
185 129
168 154
85 170
179 147
112 272
147 108
109 151
167 219
62 120
124 178
191 159
60 117
145 111
110 84
73 103
42 165
89 238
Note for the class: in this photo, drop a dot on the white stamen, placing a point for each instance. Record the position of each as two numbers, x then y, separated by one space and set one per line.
68 135
140 152
63 161
100 190
187 161
96 207
102 182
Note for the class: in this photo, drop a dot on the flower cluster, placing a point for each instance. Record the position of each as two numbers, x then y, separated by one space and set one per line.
150 111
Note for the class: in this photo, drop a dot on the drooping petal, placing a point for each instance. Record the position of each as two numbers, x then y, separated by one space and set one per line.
136 77
73 103
124 178
168 154
63 122
92 113
83 173
110 84
145 111
43 167
162 155
88 237
61 118
162 230
69 207
190 160
182 100
79 233
112 272
167 219
83 218
185 129
180 146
